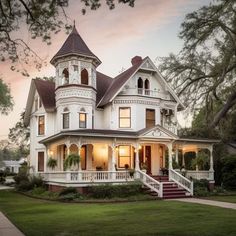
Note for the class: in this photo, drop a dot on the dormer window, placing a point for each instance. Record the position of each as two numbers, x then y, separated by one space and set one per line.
65 76
140 85
147 87
84 77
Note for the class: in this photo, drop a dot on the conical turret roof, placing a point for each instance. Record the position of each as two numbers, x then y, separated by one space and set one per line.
74 45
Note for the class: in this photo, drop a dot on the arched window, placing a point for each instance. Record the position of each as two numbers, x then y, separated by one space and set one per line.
84 77
147 87
140 85
65 74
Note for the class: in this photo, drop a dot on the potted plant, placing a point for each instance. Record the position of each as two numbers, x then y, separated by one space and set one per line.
52 163
144 167
72 160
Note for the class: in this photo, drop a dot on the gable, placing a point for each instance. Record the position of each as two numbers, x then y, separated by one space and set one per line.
157 132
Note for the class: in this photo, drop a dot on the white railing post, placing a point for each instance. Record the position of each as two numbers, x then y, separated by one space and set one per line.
161 190
137 168
68 176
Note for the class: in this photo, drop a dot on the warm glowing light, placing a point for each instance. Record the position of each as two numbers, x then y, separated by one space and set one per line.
139 147
51 153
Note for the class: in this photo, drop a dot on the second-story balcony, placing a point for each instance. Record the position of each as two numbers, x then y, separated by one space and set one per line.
146 93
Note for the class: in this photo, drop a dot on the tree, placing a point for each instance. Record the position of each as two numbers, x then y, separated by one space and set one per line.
20 135
6 101
206 66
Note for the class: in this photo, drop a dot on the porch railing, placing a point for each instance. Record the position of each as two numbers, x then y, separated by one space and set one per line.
200 174
87 176
181 180
151 183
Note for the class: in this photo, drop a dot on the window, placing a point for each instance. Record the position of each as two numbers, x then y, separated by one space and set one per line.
41 125
40 161
150 118
65 74
84 77
124 117
140 86
65 120
147 87
82 120
124 156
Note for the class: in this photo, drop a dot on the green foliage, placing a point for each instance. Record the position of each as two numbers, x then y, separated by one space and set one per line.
229 172
6 101
38 191
52 163
175 165
201 188
2 177
20 135
72 160
188 157
205 67
201 160
111 191
67 191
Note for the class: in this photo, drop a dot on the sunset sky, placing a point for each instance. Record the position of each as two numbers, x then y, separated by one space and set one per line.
149 29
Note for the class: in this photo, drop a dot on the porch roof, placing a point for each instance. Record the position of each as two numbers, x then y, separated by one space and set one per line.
197 140
143 133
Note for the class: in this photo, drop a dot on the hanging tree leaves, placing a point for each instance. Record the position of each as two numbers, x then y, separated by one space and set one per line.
206 66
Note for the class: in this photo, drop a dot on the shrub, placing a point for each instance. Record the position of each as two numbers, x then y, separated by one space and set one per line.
36 181
70 196
201 191
200 183
24 185
229 172
2 177
110 191
68 190
38 190
23 175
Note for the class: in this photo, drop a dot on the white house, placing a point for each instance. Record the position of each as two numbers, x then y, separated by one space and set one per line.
112 123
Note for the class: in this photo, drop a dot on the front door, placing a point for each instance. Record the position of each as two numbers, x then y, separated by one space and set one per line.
148 158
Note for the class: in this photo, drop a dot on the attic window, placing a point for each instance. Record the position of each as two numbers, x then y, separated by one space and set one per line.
65 109
82 109
140 85
147 87
84 77
65 74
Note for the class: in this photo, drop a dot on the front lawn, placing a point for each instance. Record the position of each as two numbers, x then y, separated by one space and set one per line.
38 217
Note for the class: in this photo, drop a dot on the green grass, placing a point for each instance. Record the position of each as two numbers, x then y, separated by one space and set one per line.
231 198
39 217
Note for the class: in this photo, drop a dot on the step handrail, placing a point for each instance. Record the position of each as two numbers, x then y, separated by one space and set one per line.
151 183
181 180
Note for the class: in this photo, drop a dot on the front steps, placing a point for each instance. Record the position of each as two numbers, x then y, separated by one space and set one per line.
170 189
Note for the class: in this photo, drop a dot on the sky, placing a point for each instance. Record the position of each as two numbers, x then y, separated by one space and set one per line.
115 36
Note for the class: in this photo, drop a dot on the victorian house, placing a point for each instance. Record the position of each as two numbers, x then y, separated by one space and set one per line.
114 124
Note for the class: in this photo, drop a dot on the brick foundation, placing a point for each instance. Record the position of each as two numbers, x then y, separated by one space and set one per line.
211 185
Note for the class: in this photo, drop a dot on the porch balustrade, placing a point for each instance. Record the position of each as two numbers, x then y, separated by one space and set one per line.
200 174
87 176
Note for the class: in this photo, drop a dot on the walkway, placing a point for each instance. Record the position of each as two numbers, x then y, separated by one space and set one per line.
7 228
207 202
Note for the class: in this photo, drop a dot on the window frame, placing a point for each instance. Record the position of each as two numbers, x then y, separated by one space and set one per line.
63 122
154 111
85 122
128 117
119 156
39 133
43 167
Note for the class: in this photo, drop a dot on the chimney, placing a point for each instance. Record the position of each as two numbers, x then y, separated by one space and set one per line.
136 59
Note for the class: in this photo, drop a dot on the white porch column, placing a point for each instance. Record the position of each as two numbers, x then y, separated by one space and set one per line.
46 159
113 160
137 157
177 154
169 145
211 158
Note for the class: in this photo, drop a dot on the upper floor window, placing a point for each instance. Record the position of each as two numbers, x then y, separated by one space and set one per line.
147 87
82 120
66 119
65 74
84 77
150 118
41 125
124 117
140 85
